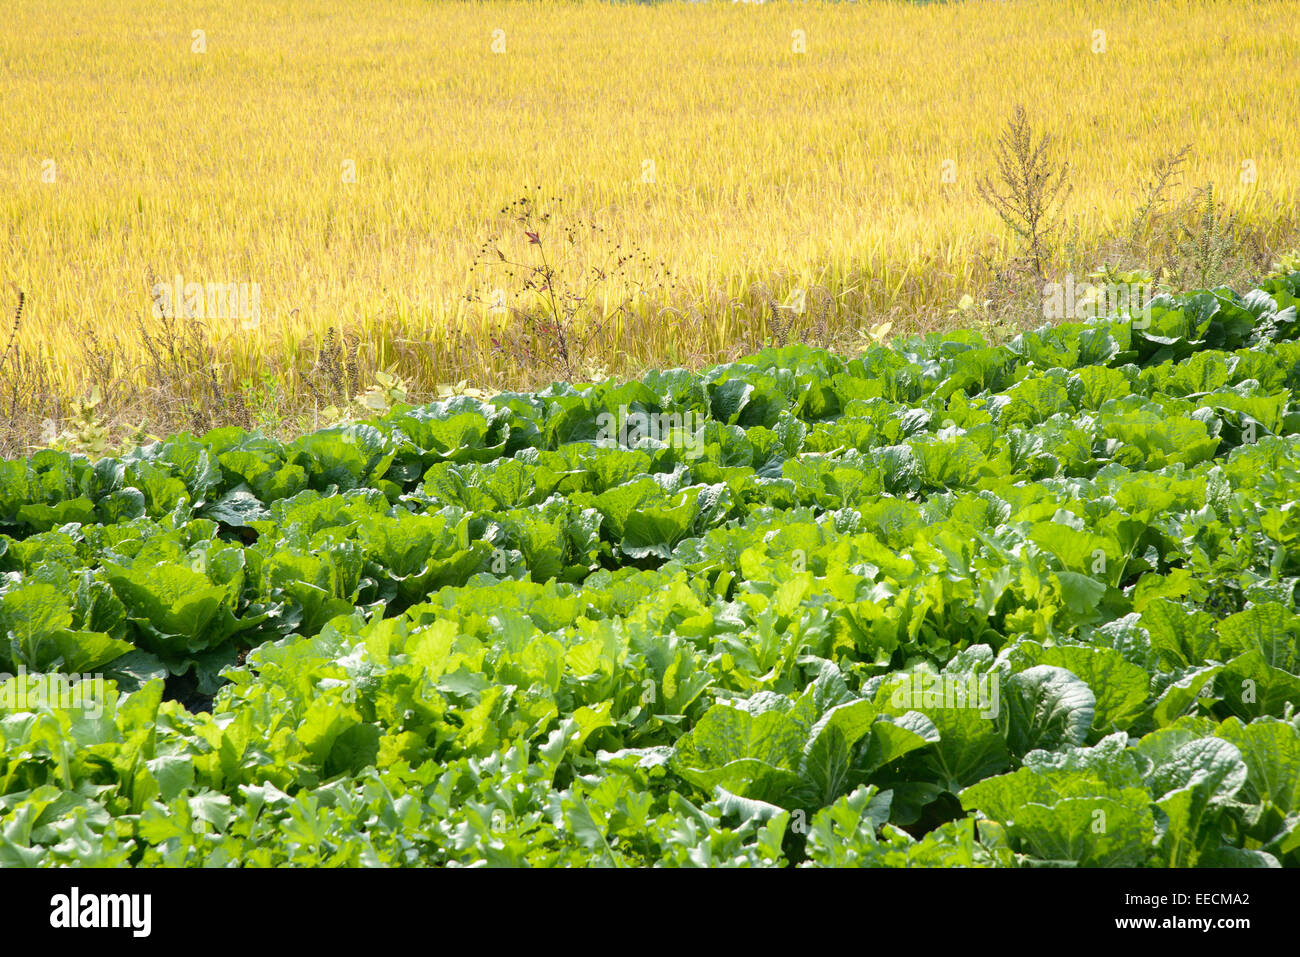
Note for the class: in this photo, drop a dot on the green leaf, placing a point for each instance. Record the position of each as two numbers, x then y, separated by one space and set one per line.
1195 786
1099 831
751 756
237 507
1119 686
828 754
1047 707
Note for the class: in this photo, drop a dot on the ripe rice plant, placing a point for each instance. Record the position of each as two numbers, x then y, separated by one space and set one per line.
825 154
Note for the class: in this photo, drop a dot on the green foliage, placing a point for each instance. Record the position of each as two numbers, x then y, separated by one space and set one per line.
945 603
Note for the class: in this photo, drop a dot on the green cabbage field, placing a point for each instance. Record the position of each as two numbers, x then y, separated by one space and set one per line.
942 603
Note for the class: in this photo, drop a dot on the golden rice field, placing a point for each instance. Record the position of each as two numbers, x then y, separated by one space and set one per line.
350 157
